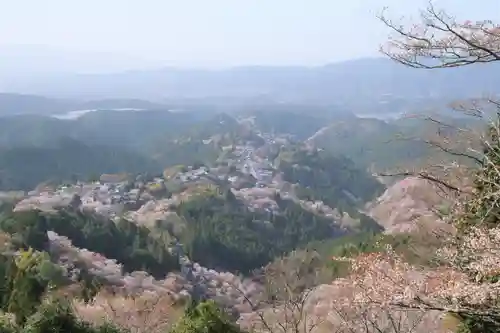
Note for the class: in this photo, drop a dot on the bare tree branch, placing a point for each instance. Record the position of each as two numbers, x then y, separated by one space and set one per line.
439 41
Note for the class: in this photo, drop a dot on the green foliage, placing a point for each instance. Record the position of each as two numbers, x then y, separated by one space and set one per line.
118 129
191 147
23 282
28 229
484 207
223 233
90 285
206 317
26 285
54 316
333 179
103 142
49 271
373 142
300 124
381 144
129 244
189 152
367 242
25 167
225 130
476 324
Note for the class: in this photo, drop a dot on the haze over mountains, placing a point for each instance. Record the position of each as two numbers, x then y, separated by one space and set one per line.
355 83
17 104
249 166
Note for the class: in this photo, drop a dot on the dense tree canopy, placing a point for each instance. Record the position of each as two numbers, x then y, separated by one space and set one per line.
206 317
223 233
23 168
334 179
131 245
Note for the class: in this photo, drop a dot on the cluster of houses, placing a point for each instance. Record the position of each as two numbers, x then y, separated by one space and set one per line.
261 171
192 175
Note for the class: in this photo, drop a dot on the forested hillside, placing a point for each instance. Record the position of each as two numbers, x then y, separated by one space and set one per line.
107 142
116 128
299 123
224 234
370 142
252 200
334 179
133 246
23 168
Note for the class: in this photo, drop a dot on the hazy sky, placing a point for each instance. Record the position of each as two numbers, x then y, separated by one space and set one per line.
208 33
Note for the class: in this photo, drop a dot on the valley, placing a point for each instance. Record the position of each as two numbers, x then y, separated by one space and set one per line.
212 229
320 190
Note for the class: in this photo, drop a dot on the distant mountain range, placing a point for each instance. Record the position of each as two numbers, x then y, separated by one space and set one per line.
359 85
18 104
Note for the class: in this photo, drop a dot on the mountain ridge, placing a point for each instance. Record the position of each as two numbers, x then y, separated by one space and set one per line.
368 80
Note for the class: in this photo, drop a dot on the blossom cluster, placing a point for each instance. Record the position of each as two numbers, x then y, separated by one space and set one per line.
386 279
